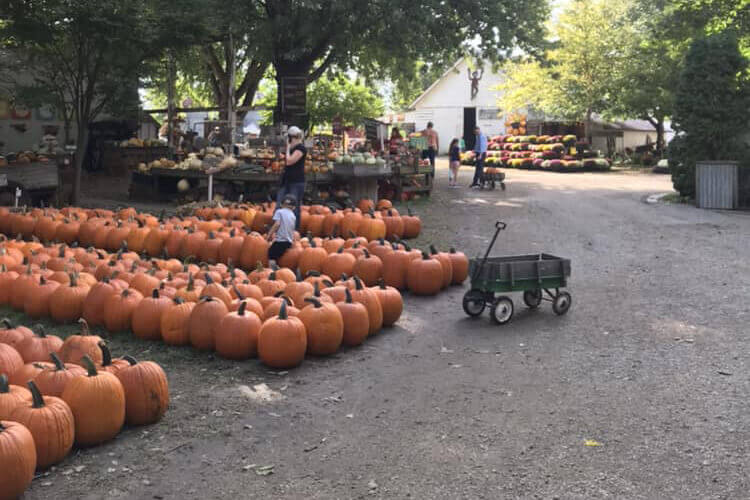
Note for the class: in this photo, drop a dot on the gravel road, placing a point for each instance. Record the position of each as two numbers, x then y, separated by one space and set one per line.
640 391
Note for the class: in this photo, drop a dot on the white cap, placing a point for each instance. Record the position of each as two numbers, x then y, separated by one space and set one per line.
294 131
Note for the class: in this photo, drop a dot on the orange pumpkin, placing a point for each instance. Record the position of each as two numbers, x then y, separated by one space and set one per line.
119 308
175 321
146 391
460 266
17 458
10 360
97 401
39 346
93 304
52 380
355 318
445 263
338 263
371 302
11 397
204 322
282 341
146 321
324 326
424 276
76 346
66 302
391 302
237 335
369 268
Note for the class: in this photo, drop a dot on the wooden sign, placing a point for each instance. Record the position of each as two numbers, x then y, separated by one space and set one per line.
294 95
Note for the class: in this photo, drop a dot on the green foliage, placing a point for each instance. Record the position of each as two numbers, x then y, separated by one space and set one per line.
574 79
711 108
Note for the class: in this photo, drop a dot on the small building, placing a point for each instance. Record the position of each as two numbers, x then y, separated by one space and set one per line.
455 109
452 108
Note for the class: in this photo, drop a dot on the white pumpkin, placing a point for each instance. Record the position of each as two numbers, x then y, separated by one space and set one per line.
183 185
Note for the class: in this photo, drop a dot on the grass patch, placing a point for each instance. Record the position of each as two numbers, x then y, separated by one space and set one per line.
676 198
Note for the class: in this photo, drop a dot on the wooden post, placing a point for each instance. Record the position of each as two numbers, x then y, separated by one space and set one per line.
231 113
171 78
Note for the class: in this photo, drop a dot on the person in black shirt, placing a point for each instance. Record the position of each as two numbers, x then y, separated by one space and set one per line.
293 178
455 162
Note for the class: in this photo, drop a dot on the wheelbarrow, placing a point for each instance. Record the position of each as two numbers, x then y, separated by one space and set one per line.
539 276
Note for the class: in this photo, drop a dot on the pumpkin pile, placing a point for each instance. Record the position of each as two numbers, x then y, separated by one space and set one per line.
48 406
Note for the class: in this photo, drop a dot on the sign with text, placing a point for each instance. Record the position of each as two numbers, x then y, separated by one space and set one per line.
294 95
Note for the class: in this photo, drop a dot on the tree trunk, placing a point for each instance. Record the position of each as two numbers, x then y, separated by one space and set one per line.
660 146
587 131
82 144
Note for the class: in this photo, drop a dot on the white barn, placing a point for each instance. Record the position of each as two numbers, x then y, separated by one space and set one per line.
449 105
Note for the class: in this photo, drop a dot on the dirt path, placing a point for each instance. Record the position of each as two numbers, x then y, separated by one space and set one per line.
650 363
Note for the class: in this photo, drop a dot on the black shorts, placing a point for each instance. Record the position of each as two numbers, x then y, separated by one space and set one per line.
277 249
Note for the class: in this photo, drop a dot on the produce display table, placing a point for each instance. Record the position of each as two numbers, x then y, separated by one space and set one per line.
119 160
404 174
37 181
362 178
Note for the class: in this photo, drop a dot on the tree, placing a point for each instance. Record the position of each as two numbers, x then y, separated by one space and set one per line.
711 107
574 79
408 86
384 38
88 54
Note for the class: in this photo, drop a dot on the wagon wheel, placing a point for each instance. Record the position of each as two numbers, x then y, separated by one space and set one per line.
502 310
532 298
562 303
492 185
502 185
474 303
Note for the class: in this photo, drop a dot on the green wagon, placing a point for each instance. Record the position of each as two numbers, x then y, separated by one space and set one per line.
539 276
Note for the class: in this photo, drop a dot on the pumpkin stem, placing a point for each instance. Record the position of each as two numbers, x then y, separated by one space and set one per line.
357 282
36 396
73 280
351 234
191 283
241 310
272 276
279 293
178 300
155 293
84 327
433 250
298 275
315 274
316 289
130 359
348 295
327 283
425 256
89 365
4 388
381 284
7 323
106 353
57 361
237 292
41 332
314 302
367 254
282 310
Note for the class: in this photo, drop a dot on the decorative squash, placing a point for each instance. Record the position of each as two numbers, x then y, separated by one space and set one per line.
53 380
355 319
391 302
66 302
11 396
39 346
237 335
175 321
460 266
324 326
424 276
50 422
204 322
119 308
371 302
282 341
17 458
75 346
146 391
146 321
445 263
97 401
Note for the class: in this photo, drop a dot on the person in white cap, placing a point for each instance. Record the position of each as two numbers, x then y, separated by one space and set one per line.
293 178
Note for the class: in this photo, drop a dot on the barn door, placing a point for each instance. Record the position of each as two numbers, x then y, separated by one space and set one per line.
470 121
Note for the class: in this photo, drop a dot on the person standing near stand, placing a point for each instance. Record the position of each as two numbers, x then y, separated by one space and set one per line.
293 178
433 144
455 162
480 152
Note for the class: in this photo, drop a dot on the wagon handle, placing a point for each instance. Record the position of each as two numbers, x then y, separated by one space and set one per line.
499 226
